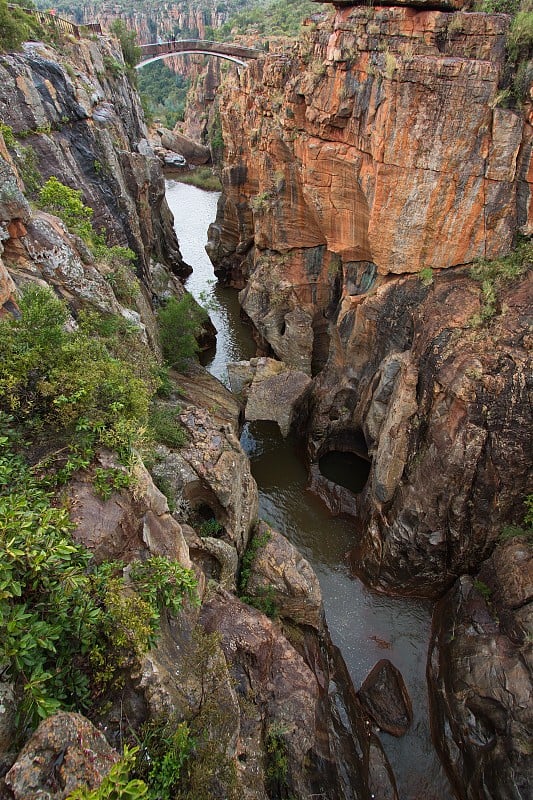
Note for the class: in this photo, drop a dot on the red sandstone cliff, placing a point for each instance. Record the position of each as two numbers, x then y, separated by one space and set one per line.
374 150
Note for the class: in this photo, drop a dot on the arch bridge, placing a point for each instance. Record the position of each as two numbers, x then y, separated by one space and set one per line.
231 52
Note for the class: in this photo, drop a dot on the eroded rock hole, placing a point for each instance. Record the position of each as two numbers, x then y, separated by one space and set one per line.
347 462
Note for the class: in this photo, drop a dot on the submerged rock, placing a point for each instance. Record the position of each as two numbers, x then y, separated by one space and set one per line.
385 697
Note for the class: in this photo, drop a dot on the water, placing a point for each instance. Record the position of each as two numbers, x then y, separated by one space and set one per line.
366 626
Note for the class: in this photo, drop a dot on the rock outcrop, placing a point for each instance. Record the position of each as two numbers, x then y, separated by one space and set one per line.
480 676
65 752
374 150
272 391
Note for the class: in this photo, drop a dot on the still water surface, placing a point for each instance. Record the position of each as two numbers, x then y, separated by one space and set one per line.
364 625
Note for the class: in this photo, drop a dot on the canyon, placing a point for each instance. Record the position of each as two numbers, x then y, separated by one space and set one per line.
365 169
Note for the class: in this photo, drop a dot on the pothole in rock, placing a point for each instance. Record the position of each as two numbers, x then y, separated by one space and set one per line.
347 463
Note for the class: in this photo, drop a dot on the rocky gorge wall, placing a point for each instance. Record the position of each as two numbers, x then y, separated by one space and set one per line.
365 171
374 151
249 682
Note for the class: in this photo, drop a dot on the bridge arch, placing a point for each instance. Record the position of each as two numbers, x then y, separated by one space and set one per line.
231 52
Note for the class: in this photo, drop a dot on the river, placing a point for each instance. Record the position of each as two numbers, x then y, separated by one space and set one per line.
365 626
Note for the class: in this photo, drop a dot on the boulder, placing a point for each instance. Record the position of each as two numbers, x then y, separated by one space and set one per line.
192 152
273 391
385 697
280 573
66 751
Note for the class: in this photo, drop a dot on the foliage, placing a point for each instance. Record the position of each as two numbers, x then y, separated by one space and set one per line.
180 323
45 380
66 203
277 17
216 138
48 614
128 42
121 275
117 784
112 66
426 276
109 480
525 530
520 36
163 93
164 583
16 27
202 177
166 427
9 136
211 527
484 590
67 629
494 274
257 541
277 762
164 753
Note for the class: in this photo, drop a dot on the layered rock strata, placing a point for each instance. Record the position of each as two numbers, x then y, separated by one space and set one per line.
376 149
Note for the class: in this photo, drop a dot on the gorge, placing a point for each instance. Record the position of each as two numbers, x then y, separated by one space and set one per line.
366 167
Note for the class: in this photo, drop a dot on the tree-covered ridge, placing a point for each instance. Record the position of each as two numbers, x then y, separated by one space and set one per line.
163 93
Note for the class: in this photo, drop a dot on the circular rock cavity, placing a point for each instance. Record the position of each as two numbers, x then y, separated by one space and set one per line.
346 461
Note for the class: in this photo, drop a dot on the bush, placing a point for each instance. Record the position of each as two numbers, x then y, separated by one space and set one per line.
66 630
66 203
180 323
166 426
16 27
67 381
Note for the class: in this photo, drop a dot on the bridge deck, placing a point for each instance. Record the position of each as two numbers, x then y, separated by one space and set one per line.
223 49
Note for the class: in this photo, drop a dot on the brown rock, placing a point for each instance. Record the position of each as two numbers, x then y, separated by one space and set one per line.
193 152
66 751
479 672
273 391
280 573
385 697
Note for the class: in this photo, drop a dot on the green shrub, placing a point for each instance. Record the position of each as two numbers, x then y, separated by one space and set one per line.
496 273
166 747
66 203
211 527
117 784
66 630
16 27
67 381
257 541
166 427
180 323
128 42
426 276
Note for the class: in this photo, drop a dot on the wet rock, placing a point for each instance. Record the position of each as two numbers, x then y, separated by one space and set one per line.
66 751
280 573
385 697
272 390
480 677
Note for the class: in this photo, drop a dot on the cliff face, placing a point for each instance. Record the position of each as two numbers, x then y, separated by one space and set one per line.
73 131
375 150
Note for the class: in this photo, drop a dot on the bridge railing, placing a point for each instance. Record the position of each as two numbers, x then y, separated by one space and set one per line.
58 23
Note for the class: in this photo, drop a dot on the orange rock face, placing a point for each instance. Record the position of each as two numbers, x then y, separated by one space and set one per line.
378 145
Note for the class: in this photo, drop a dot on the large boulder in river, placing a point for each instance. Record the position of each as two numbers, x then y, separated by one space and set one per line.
273 390
385 697
480 677
193 152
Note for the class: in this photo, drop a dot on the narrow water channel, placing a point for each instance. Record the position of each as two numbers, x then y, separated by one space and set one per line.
364 625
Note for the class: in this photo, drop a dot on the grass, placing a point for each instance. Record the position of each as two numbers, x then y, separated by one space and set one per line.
202 177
